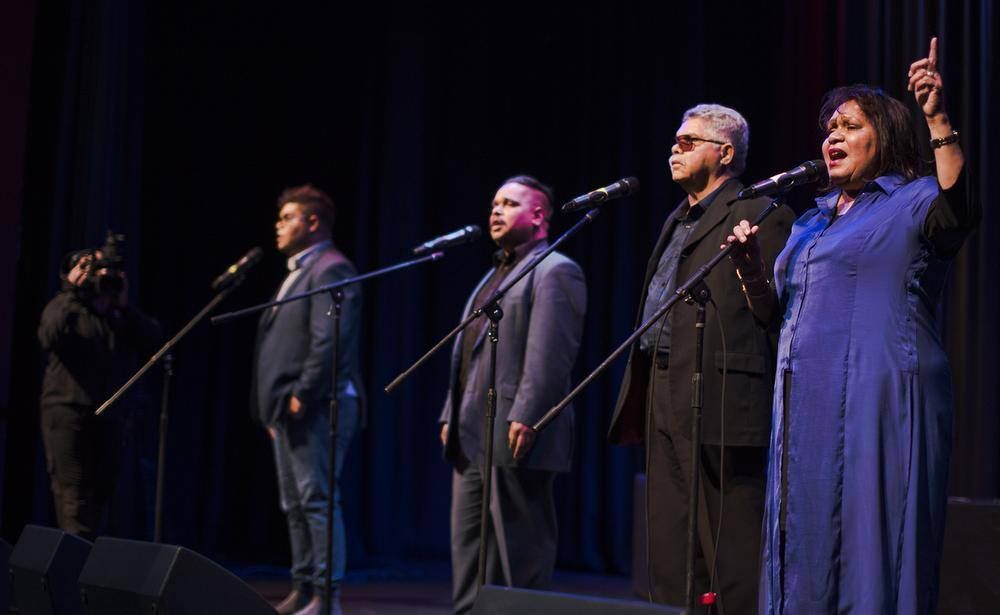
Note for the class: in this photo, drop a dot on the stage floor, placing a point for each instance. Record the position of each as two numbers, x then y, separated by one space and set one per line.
422 589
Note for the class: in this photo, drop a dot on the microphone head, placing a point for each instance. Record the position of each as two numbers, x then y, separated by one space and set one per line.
630 185
249 259
817 171
810 168
465 234
808 172
621 188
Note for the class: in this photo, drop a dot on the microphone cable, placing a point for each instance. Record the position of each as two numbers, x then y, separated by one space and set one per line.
722 453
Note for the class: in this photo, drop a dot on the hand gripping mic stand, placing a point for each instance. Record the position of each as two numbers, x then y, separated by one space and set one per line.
337 297
491 309
168 372
693 290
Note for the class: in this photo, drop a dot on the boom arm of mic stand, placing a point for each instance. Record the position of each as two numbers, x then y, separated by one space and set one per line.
260 307
494 298
680 293
170 344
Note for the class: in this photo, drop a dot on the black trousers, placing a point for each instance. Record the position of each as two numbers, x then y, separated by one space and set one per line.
738 474
81 452
521 537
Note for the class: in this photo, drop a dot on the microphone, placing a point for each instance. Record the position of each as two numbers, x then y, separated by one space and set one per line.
806 173
238 268
621 188
465 234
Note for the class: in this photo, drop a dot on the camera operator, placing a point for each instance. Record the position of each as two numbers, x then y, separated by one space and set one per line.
93 338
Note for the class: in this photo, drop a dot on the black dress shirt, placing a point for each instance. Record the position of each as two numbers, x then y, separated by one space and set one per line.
503 263
664 281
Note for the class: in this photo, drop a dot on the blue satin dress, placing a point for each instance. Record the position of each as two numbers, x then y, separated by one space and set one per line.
861 435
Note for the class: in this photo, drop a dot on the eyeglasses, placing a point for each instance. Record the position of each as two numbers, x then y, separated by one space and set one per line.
688 143
289 217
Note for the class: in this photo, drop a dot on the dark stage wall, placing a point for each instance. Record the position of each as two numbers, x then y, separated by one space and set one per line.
178 123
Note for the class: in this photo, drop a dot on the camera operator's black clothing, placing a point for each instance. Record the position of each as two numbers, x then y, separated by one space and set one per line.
82 452
89 356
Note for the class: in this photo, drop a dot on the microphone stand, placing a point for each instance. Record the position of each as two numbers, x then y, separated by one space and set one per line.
495 314
693 290
491 309
161 453
699 295
337 297
164 353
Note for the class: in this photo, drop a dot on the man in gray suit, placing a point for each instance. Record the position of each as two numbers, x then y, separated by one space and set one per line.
292 389
538 341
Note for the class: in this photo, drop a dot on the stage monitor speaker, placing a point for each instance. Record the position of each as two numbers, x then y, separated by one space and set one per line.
5 550
970 564
129 577
493 600
44 567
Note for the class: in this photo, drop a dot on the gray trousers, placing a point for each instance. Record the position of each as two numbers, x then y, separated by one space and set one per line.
521 535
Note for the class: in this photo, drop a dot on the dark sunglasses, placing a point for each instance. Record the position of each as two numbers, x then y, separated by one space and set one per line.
688 143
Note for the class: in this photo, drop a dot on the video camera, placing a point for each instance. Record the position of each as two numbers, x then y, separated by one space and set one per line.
112 280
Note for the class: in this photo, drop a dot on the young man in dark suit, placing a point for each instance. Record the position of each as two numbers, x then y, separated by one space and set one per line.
706 160
292 389
539 336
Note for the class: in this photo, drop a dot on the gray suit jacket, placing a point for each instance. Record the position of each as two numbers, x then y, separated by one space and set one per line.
539 339
294 351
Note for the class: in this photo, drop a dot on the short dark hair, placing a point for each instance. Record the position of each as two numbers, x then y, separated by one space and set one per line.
312 200
535 184
896 142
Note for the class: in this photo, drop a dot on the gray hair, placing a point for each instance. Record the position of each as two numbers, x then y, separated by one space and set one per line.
728 125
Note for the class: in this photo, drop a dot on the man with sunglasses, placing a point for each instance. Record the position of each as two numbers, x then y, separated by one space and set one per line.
654 403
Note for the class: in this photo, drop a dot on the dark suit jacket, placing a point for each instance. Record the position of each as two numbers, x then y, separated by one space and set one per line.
294 351
750 347
539 339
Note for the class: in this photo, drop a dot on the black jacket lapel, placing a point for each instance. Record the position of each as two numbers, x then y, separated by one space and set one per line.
715 214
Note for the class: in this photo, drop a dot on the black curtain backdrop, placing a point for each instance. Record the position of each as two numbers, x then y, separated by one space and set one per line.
179 124
15 72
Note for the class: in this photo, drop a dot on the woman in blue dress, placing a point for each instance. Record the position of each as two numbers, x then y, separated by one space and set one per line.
861 434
